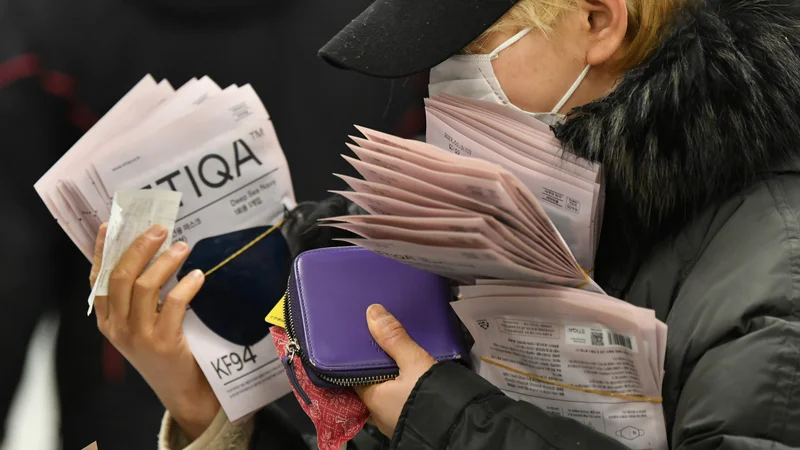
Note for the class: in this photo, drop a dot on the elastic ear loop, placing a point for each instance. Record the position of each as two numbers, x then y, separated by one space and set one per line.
512 40
236 254
572 89
246 247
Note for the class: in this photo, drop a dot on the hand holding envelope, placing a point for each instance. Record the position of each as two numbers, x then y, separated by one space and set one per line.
204 162
154 343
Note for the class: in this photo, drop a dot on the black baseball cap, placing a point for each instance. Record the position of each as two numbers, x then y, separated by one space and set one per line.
397 38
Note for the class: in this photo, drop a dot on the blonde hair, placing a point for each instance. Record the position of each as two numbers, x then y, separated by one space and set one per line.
648 22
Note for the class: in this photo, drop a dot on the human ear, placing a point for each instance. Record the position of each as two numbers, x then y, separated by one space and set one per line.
607 24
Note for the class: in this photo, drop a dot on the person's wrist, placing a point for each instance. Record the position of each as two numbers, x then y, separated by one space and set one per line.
195 410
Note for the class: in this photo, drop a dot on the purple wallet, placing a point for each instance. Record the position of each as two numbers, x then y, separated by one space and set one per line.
326 303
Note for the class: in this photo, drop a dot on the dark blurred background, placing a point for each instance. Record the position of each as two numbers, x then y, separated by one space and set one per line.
63 64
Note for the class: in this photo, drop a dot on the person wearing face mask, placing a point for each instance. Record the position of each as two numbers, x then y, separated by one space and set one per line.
692 107
472 76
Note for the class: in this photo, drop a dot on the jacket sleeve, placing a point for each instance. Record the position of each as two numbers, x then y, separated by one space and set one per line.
454 408
220 435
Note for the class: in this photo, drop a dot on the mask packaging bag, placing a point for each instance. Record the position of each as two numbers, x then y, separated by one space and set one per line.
218 149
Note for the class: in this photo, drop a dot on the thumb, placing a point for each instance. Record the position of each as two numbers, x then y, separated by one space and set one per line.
394 340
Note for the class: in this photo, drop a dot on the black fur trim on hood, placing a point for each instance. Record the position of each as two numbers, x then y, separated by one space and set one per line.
714 108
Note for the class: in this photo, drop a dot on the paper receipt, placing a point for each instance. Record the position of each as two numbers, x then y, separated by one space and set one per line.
133 212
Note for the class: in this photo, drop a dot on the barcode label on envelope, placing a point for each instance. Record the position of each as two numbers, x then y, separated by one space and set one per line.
599 337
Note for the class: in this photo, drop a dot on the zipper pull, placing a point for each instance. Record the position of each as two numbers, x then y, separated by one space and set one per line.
288 364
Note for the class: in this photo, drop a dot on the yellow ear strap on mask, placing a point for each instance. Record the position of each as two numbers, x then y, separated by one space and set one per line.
638 398
246 247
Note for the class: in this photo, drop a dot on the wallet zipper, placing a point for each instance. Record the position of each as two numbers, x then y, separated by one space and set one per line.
293 349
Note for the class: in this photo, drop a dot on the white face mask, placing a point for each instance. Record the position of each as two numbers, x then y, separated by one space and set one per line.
472 76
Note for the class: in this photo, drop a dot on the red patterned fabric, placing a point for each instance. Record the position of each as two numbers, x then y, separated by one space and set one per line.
338 414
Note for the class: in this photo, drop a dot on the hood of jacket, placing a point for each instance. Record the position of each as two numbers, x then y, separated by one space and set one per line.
715 108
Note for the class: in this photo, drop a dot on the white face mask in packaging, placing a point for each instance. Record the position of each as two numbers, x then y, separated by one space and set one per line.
472 76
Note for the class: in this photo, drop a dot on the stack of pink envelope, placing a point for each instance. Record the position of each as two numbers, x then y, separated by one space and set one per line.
489 195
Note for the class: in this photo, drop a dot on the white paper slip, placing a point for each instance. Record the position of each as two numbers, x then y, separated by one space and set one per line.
133 212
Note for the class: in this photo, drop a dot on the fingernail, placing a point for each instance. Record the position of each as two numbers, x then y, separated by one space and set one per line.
197 274
376 312
180 248
157 231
